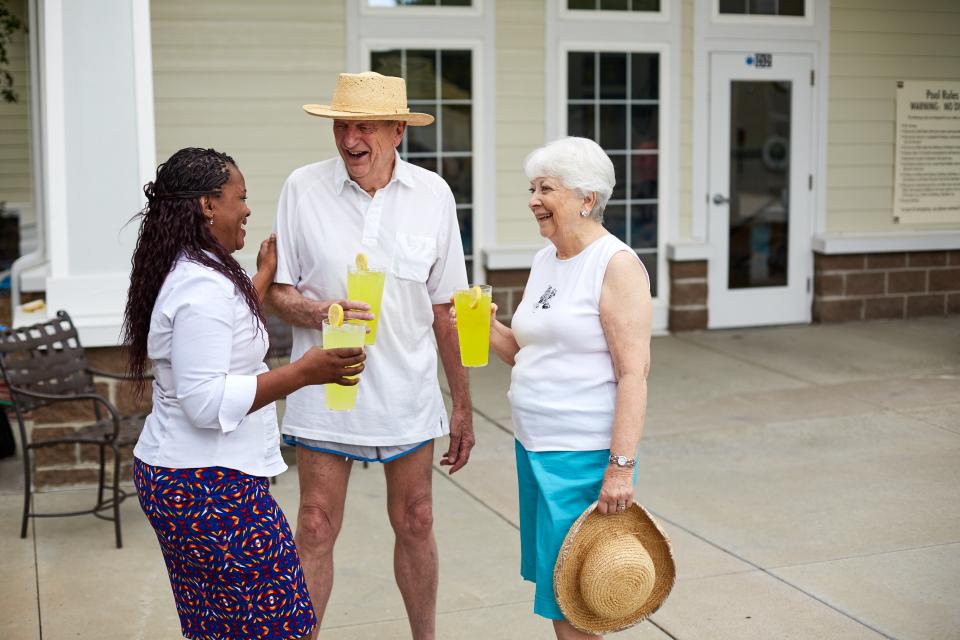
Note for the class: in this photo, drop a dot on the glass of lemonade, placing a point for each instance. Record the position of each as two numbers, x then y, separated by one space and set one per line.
339 397
367 286
473 324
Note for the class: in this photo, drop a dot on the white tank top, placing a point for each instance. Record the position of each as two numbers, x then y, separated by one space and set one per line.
563 390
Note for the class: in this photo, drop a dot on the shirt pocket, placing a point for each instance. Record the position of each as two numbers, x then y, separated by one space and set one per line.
413 256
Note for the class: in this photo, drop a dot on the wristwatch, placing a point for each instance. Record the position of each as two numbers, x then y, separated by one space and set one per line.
623 461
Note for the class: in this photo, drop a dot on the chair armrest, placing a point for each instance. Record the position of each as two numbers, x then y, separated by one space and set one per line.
114 375
71 397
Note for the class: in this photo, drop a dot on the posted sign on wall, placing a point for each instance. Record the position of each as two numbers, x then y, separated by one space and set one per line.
927 176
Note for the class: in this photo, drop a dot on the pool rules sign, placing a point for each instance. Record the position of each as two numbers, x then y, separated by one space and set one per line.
926 188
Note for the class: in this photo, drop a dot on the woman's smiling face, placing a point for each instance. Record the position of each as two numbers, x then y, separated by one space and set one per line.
229 212
554 206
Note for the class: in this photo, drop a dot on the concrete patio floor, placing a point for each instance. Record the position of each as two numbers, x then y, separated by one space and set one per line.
809 478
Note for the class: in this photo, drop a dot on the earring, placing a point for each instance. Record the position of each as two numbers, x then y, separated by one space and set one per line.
583 213
210 221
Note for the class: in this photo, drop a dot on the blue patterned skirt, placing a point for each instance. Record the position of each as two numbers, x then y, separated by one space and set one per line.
233 566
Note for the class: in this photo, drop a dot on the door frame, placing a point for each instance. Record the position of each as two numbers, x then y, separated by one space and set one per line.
709 36
792 302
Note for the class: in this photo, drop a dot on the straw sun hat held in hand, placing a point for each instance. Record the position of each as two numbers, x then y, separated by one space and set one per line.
613 570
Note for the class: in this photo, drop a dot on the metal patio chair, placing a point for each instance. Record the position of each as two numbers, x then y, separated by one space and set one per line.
44 364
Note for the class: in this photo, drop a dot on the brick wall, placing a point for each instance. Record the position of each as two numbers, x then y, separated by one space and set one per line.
508 287
68 464
688 295
886 285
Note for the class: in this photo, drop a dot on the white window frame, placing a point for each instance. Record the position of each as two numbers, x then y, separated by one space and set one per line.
393 29
753 19
614 34
474 10
663 15
664 106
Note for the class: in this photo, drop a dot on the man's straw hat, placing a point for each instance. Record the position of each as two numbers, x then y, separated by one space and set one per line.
369 96
613 571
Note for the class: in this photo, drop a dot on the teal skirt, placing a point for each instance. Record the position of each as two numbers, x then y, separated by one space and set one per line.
554 489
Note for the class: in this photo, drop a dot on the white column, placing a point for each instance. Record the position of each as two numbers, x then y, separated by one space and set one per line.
98 150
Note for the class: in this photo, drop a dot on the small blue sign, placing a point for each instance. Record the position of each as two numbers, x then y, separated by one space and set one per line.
750 60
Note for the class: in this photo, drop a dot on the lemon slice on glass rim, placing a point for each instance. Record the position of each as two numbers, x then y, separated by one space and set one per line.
335 315
362 263
475 294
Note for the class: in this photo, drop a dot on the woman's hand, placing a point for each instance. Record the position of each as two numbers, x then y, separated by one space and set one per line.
267 257
616 494
323 366
453 313
266 267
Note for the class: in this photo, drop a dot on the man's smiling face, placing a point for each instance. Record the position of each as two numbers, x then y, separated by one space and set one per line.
368 149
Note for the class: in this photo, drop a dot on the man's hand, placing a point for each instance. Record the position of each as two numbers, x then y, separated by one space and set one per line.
352 309
462 439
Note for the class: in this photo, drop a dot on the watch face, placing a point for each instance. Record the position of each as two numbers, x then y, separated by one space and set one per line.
621 461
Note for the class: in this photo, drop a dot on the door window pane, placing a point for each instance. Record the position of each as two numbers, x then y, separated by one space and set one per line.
759 183
613 99
439 82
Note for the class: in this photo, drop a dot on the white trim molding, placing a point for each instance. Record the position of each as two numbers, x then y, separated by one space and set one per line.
689 251
886 242
515 257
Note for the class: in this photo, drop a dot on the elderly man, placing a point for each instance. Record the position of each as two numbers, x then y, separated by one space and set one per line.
403 218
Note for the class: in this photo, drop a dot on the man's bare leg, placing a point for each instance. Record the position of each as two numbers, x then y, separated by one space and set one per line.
323 490
415 564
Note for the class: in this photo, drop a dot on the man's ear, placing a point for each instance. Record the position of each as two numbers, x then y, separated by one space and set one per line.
398 132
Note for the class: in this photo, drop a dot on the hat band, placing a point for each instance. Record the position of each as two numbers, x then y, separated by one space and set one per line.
352 109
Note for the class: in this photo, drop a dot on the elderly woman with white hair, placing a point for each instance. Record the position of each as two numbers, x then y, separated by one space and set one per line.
579 345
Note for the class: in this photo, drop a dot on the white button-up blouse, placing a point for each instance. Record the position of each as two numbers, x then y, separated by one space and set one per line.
207 349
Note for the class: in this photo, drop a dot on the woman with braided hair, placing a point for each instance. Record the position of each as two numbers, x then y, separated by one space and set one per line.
211 442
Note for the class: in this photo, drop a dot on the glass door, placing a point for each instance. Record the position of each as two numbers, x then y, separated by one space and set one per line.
759 198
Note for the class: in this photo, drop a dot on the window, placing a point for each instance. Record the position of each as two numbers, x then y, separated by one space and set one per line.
793 8
419 3
613 5
614 99
439 82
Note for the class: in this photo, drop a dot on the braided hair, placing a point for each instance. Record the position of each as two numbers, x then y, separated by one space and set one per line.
173 224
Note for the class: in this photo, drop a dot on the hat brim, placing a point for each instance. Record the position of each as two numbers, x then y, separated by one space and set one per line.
324 111
590 526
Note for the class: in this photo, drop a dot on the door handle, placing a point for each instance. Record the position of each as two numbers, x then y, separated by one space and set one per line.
719 199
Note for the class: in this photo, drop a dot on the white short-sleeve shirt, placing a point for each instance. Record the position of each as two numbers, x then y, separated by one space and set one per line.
410 229
207 350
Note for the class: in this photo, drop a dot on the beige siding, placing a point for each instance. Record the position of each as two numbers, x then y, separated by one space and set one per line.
233 74
874 43
15 160
520 109
684 205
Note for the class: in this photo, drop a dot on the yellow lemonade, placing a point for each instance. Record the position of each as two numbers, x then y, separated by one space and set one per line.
339 397
367 286
473 324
